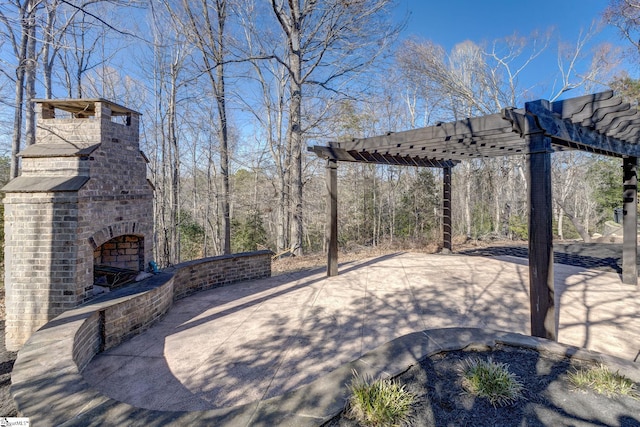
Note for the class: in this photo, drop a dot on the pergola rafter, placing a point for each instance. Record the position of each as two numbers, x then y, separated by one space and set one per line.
599 123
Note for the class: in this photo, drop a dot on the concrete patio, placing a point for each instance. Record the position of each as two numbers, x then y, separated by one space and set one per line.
255 340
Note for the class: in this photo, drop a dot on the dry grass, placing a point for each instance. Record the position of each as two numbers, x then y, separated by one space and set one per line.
351 254
382 402
354 252
603 381
490 380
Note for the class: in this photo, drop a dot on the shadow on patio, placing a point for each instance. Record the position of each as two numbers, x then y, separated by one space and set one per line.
255 340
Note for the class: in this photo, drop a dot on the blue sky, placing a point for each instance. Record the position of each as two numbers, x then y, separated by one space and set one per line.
448 22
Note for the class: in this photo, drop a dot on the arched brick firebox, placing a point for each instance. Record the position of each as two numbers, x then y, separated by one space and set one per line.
126 252
83 184
119 253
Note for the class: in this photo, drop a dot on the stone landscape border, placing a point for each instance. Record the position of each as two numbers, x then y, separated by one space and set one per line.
49 388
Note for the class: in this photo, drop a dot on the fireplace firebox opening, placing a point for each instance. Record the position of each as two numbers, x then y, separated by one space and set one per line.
118 261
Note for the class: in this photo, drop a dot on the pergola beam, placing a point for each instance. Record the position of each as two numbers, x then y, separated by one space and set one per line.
342 155
457 148
485 126
565 130
406 142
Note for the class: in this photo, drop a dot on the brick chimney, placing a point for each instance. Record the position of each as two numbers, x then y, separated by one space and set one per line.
82 199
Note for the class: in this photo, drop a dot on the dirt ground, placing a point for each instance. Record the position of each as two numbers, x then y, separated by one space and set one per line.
354 253
7 406
598 256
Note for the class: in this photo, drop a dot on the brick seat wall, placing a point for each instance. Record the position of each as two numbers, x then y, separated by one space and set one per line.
47 383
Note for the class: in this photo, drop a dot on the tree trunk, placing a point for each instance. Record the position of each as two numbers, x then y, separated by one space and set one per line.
30 86
27 15
209 37
296 143
47 56
576 223
560 224
174 151
224 136
17 122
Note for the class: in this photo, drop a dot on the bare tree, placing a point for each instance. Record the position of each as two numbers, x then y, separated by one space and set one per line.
20 29
473 80
205 26
57 30
269 113
567 171
580 67
321 44
170 78
37 31
625 15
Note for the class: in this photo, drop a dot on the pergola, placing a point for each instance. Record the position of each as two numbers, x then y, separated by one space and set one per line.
599 123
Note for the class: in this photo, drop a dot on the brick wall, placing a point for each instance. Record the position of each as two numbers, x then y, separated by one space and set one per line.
40 260
62 166
126 251
82 184
208 273
87 341
117 200
119 318
133 316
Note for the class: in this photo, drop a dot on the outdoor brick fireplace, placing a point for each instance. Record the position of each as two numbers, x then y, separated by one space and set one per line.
81 207
124 252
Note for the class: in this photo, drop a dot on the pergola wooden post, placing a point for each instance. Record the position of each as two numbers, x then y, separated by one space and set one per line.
332 217
599 123
630 221
541 285
446 208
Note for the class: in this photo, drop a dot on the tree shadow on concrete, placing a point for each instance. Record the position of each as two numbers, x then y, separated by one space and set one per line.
594 309
275 350
234 366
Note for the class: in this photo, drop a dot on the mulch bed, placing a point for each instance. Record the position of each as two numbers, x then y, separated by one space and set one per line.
595 256
548 400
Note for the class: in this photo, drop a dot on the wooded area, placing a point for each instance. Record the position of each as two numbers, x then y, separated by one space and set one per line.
232 92
599 123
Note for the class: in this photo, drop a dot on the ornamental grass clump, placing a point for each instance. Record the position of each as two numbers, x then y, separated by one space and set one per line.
383 402
491 380
603 381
